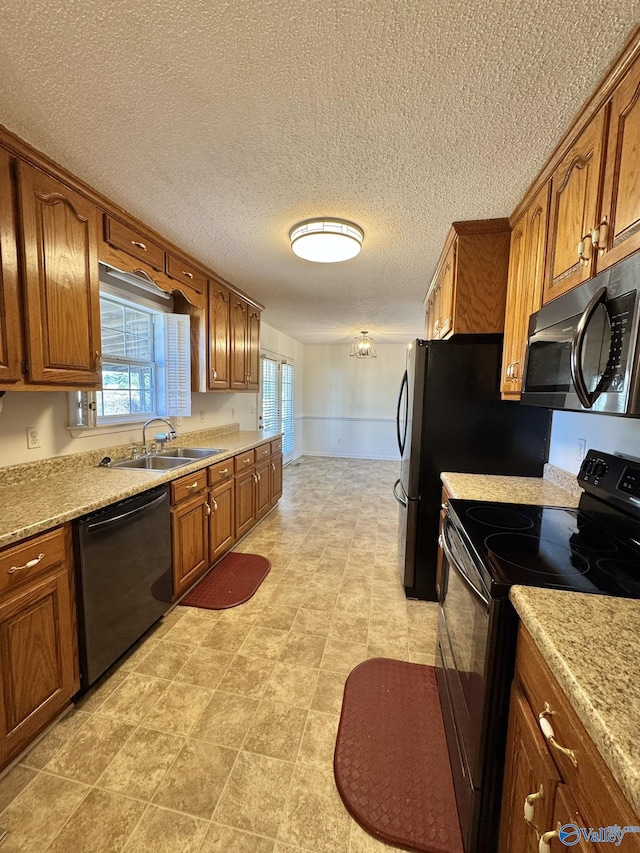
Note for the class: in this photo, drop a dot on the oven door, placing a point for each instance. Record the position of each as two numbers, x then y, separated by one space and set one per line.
581 349
463 646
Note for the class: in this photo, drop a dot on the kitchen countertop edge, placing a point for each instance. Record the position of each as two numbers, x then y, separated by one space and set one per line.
507 489
29 509
591 645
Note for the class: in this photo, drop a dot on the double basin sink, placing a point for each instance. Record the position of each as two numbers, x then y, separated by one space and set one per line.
169 459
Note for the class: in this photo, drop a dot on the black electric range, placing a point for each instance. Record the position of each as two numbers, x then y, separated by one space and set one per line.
487 548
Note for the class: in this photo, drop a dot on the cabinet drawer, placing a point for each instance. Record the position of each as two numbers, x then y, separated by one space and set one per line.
263 451
243 461
276 446
43 552
596 792
184 272
220 472
133 243
187 487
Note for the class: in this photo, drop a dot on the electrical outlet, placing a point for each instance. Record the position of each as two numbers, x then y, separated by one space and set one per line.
178 421
202 417
581 449
33 438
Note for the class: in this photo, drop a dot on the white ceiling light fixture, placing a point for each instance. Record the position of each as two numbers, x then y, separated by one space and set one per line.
363 346
325 240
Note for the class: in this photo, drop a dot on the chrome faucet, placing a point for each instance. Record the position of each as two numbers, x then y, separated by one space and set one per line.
168 437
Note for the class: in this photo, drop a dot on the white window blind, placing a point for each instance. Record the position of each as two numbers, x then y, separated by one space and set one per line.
287 381
173 357
269 408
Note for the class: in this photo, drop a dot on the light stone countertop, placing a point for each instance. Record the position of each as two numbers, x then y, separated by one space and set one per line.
521 490
33 506
592 645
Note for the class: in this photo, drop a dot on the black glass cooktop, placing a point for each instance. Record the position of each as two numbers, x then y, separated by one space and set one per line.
548 546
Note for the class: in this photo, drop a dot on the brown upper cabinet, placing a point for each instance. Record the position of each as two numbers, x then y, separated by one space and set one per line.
10 329
619 222
524 288
60 282
219 337
467 292
575 186
244 345
185 273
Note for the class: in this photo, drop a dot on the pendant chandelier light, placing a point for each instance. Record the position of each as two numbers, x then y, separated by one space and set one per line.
326 240
363 346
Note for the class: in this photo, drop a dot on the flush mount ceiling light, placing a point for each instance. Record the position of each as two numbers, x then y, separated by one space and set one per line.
363 346
326 241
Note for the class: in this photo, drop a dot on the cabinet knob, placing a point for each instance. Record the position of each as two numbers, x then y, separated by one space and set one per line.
139 245
28 565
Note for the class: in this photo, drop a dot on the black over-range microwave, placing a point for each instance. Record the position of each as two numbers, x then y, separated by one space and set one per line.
583 349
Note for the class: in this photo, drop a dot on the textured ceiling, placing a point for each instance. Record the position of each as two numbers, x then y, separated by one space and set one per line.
222 124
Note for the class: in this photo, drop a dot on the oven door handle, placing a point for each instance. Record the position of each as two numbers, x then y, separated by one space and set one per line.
446 547
586 397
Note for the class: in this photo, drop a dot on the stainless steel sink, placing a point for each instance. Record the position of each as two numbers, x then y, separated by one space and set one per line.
191 452
153 462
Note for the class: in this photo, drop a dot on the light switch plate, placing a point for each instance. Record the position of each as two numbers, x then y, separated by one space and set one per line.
33 438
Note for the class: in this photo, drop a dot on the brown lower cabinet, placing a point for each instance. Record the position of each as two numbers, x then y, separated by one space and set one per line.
213 508
553 780
38 647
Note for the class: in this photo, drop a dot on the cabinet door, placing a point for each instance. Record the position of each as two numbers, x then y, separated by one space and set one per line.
621 195
60 245
190 542
221 520
39 672
10 328
219 298
524 296
514 314
447 285
566 811
253 350
245 487
575 187
239 314
529 774
276 478
263 488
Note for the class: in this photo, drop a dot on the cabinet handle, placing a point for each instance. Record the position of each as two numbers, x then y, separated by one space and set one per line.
529 804
139 245
265 452
214 374
28 565
208 508
224 471
508 376
514 372
255 479
599 236
192 486
545 838
215 504
97 360
188 274
584 248
547 731
273 467
258 476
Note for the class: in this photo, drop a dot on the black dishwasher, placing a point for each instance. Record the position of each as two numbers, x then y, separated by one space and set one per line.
123 575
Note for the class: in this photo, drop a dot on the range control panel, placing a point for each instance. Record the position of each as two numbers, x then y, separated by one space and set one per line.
612 476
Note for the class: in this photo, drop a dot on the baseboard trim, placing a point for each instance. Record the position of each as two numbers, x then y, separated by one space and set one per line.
351 456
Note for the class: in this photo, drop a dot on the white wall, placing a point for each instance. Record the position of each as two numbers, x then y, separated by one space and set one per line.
610 434
277 343
350 403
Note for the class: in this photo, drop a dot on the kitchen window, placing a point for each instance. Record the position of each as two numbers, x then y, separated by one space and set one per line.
276 400
146 369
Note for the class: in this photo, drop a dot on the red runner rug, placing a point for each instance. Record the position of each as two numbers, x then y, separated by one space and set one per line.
391 762
234 580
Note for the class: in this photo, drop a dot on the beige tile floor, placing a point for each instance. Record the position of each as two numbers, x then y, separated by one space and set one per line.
217 732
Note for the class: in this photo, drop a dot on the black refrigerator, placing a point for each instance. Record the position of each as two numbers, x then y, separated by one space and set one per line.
451 418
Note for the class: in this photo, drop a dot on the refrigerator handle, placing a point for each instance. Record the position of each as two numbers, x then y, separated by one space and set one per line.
404 390
400 500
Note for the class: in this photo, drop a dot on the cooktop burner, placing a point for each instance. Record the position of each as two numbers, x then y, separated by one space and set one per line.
547 546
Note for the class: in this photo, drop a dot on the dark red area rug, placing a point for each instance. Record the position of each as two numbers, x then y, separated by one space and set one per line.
391 763
234 580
